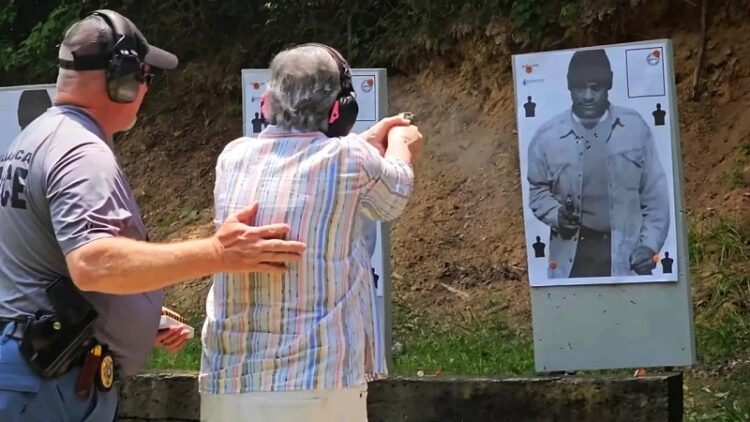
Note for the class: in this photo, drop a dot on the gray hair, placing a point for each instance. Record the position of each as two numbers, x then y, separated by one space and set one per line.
304 84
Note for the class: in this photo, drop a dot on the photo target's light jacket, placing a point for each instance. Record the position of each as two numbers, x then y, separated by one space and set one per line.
638 191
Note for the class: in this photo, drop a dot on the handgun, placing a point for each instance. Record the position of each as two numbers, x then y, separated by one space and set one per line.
408 115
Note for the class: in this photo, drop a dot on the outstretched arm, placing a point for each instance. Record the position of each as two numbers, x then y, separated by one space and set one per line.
90 213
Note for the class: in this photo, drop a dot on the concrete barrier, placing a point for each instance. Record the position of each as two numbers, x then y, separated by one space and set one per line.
165 397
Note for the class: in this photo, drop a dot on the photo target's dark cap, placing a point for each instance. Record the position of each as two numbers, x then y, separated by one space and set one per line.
89 43
589 66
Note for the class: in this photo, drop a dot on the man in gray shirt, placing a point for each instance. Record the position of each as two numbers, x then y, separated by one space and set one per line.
67 211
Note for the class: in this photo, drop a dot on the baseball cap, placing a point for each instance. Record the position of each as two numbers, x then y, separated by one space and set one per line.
90 42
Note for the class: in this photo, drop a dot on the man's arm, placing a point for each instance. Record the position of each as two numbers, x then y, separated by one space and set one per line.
122 266
88 202
542 202
654 196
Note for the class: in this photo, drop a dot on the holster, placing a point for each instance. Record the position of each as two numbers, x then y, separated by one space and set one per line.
53 342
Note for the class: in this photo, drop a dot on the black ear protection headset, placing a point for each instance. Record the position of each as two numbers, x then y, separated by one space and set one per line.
344 110
125 71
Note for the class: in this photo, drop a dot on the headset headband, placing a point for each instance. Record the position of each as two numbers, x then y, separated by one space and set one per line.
122 29
124 39
345 73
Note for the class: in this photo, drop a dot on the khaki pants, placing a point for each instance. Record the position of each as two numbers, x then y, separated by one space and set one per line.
345 405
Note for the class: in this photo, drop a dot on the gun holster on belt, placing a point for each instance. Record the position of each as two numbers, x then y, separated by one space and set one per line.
54 341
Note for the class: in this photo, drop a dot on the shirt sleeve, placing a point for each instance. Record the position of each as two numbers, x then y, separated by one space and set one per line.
387 186
87 195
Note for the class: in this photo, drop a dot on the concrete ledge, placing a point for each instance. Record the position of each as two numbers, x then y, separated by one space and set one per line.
157 397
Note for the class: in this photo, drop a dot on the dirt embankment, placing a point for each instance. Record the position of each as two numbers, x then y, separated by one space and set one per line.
463 228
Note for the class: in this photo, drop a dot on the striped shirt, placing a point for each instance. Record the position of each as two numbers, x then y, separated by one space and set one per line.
314 326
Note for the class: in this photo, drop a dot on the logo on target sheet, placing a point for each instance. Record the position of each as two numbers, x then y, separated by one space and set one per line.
654 57
367 85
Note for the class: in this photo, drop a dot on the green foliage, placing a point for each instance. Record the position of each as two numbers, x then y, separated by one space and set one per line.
33 57
392 33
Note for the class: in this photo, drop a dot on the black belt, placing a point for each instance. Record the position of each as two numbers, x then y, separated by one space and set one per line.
587 233
20 327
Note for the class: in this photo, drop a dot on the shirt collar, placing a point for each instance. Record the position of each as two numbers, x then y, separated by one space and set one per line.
274 131
599 120
574 126
94 126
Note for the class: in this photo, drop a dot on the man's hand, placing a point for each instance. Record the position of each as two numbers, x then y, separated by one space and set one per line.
642 260
244 248
406 136
172 339
377 135
567 223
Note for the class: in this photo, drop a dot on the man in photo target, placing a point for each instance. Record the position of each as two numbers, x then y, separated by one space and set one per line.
596 181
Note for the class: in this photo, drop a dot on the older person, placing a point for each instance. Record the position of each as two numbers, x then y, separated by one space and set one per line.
300 345
68 219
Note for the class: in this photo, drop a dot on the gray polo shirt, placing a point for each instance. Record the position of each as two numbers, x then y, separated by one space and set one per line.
61 187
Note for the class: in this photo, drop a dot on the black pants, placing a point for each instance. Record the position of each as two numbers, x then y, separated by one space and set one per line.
593 255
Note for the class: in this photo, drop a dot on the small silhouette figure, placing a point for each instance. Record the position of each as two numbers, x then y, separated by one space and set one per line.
538 248
530 108
659 115
666 263
258 123
32 104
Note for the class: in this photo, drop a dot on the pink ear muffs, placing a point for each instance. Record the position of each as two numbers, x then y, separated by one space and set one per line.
334 113
263 106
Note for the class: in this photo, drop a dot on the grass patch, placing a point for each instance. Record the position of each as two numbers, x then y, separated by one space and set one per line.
479 347
744 151
732 242
723 317
722 337
724 399
189 358
696 246
726 242
735 178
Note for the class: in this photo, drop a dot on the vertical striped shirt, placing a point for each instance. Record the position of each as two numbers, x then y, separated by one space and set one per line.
314 326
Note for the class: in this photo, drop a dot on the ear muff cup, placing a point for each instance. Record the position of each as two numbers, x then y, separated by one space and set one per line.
124 71
123 78
343 116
